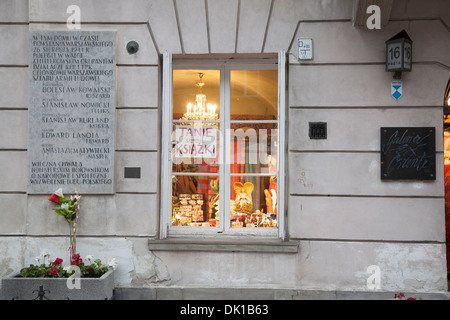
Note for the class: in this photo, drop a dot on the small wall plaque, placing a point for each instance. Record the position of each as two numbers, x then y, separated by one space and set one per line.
408 153
305 49
132 172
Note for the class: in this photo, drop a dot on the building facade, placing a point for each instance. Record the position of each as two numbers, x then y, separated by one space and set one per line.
307 81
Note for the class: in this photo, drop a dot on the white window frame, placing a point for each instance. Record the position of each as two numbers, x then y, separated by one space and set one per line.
166 230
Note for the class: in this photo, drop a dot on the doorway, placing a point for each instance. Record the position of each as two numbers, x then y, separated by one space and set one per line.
447 174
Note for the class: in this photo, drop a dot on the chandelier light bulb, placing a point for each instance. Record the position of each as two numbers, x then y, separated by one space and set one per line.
200 110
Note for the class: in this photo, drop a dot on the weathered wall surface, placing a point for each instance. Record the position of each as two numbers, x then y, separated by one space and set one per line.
345 217
336 192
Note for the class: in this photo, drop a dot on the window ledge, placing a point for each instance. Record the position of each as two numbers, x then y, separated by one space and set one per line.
224 245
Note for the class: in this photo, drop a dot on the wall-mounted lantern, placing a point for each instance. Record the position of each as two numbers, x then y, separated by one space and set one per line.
399 54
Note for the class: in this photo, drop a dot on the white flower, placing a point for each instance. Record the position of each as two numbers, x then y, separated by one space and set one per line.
75 197
59 193
113 263
90 258
65 206
42 257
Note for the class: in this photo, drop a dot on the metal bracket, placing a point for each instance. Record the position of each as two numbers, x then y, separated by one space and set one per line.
41 293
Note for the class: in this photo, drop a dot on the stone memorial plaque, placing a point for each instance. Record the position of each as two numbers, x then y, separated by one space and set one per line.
71 123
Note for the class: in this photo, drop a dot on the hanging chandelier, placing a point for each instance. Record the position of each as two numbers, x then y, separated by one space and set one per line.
200 110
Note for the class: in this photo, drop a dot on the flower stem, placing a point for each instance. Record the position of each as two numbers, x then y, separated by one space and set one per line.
70 242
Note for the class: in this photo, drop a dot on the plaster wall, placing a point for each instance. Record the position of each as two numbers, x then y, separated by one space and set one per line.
345 218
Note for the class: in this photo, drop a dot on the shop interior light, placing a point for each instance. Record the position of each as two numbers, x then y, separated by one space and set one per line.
200 110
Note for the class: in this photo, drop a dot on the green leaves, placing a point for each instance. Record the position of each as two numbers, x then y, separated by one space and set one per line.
63 213
42 271
66 208
91 269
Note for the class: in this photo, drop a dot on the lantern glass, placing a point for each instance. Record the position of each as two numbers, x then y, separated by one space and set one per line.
399 53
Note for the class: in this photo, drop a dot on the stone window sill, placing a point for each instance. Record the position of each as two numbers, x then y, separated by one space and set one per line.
224 245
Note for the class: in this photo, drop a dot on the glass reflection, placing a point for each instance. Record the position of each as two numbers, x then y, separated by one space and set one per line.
253 148
254 94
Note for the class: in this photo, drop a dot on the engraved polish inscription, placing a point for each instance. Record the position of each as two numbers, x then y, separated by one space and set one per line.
71 111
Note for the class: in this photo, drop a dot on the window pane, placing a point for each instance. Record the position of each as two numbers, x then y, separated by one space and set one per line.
194 147
244 152
253 202
254 94
196 94
195 201
253 148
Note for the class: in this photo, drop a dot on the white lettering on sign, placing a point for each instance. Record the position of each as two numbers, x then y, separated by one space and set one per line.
196 142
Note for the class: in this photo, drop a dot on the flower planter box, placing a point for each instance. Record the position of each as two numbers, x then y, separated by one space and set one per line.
17 288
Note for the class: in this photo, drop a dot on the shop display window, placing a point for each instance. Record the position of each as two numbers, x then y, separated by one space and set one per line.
224 154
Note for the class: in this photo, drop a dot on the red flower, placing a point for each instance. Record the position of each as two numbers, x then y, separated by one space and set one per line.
399 295
57 262
54 271
54 198
76 260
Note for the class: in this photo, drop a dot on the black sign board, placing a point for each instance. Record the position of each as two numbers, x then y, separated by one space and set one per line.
408 153
132 173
